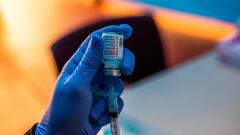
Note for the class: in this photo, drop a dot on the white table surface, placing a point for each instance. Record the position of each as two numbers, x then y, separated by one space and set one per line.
199 98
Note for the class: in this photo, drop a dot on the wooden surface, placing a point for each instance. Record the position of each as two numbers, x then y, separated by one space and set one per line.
27 69
186 36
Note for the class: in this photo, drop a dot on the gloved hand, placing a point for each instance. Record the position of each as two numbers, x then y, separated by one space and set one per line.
72 110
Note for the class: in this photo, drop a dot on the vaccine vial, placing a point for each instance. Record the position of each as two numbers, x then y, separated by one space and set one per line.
112 52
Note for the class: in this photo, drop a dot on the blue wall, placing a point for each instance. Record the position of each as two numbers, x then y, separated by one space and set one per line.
227 10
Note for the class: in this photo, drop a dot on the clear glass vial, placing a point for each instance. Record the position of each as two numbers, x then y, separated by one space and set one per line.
112 52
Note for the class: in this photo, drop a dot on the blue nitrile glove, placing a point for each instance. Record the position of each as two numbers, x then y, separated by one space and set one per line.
72 110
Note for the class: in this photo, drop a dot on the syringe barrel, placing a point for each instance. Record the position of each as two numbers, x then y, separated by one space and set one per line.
114 126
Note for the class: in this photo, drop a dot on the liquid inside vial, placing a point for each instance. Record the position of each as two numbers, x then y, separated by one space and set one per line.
112 52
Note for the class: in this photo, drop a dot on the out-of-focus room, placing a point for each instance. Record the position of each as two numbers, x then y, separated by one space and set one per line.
186 79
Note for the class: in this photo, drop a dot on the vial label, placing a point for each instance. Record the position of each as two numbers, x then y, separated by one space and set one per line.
113 46
120 50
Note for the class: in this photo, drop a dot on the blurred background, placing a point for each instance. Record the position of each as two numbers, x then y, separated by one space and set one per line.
34 35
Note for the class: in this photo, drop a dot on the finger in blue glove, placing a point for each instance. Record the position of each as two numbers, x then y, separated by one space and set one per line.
72 109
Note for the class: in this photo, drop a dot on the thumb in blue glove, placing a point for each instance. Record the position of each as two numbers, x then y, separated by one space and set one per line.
72 109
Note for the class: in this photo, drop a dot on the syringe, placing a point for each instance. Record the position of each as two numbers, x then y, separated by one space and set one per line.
112 106
112 58
113 111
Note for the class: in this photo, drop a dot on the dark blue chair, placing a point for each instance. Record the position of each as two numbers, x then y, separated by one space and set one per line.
145 43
